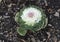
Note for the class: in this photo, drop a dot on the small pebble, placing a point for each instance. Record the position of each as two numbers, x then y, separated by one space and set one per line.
1 33
49 25
0 0
6 16
33 40
0 17
56 14
10 5
58 10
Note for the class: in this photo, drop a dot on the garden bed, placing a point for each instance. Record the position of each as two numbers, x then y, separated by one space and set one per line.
8 10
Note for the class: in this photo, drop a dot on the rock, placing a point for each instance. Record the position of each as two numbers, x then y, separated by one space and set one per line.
0 0
56 14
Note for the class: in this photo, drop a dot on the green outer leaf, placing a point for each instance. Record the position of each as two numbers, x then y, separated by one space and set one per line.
42 24
21 31
16 16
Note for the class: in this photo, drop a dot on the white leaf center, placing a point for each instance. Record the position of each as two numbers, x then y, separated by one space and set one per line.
31 16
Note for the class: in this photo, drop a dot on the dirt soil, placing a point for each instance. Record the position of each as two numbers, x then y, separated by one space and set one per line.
8 10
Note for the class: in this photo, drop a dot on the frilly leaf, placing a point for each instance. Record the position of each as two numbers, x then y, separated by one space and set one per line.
21 31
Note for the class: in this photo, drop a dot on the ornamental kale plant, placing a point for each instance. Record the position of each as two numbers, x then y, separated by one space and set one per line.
30 18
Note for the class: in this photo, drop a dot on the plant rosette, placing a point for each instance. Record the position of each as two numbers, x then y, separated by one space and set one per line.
30 18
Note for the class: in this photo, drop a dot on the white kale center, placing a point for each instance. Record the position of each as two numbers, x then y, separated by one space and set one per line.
31 16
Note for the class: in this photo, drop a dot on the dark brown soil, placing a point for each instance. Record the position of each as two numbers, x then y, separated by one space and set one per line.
8 10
